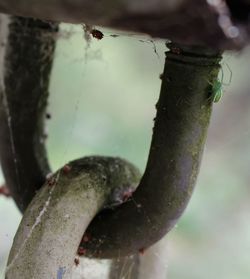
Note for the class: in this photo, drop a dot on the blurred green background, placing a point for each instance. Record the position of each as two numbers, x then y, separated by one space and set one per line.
102 101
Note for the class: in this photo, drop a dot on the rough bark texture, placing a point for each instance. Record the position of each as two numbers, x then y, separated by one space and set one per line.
52 226
185 21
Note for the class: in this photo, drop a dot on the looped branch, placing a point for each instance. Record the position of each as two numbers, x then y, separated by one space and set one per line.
183 113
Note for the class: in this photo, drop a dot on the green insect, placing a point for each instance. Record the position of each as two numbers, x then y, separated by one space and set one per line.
217 86
217 91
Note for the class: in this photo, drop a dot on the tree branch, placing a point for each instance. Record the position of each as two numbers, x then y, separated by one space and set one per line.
193 22
179 134
53 224
26 56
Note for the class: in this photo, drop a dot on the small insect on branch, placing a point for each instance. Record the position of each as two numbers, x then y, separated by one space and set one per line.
217 90
97 34
91 31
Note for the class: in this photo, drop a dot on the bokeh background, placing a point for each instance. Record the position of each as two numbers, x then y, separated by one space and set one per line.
102 101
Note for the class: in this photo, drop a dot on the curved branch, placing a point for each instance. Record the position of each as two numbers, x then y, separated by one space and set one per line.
53 224
185 21
179 134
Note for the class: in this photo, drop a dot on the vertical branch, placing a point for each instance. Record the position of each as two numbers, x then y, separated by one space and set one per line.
27 50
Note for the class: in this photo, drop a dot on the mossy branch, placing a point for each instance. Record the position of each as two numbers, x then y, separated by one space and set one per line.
179 135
